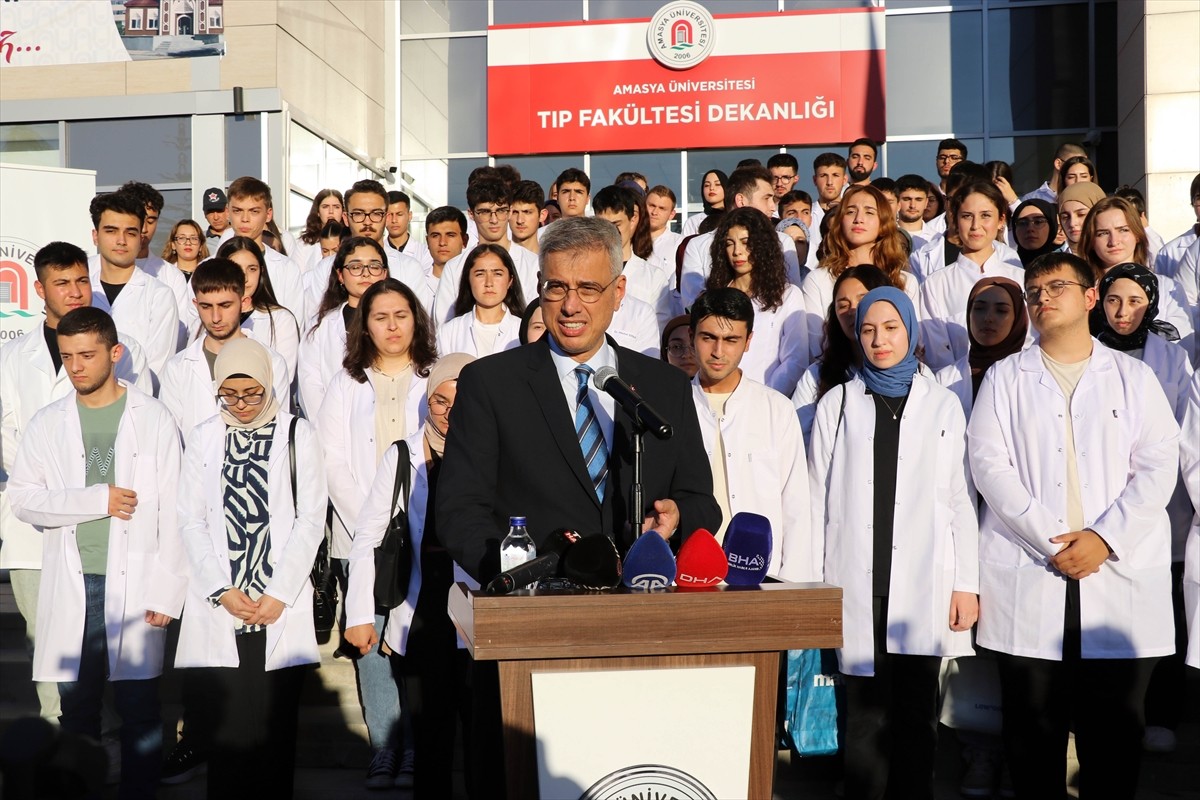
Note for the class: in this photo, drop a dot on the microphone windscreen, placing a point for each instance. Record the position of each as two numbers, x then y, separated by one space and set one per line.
649 564
748 548
701 561
593 563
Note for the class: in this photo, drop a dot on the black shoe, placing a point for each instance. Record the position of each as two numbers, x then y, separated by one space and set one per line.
184 763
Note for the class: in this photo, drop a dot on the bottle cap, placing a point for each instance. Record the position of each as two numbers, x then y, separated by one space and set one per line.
516 522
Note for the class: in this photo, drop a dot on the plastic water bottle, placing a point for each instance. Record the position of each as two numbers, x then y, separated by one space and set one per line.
518 546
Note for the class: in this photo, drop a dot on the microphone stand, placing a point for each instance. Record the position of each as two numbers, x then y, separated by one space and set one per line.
636 510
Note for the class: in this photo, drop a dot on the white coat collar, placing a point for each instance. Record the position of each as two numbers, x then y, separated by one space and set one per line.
32 350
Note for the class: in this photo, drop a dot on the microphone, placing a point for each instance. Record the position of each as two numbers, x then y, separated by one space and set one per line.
534 570
593 563
701 562
748 548
649 564
608 381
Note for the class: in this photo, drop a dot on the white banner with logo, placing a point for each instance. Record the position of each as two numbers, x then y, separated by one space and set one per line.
678 733
26 226
45 32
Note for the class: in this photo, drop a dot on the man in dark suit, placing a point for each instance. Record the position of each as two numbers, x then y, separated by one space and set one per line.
519 417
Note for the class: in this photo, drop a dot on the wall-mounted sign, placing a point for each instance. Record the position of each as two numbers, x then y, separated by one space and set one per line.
687 79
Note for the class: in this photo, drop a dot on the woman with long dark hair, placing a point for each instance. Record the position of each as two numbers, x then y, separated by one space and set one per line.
488 308
712 194
326 207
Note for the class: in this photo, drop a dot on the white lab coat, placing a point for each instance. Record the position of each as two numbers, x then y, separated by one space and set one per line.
804 399
448 285
322 350
697 264
28 383
944 297
779 350
287 279
665 247
284 339
1127 445
1167 261
766 468
818 294
1189 463
653 285
173 277
372 523
935 536
146 570
635 327
207 635
187 387
145 310
403 268
957 378
346 428
458 335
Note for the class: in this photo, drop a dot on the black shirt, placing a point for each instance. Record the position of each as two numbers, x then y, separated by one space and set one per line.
112 291
887 456
52 345
347 315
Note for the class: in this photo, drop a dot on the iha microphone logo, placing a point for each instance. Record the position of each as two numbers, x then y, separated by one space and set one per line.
649 582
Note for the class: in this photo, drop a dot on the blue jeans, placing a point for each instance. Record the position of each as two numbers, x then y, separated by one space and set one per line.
137 702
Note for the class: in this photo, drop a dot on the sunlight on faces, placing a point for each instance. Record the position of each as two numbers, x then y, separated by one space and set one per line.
187 251
249 390
978 223
87 361
578 327
64 290
1071 215
572 199
883 336
330 208
861 162
762 198
680 351
1078 173
250 216
660 210
397 219
523 220
363 255
849 295
537 326
366 204
783 180
441 402
1032 229
992 316
860 220
797 209
1125 306
118 237
490 281
1069 309
712 190
390 324
737 250
720 345
220 313
829 182
491 221
445 241
911 204
1114 242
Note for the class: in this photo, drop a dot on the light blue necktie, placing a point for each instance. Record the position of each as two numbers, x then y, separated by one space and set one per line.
587 431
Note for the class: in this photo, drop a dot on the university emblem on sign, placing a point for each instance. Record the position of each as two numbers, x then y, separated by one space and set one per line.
648 781
16 277
680 35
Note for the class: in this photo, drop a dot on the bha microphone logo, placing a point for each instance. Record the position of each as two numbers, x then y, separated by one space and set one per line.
648 582
738 561
648 781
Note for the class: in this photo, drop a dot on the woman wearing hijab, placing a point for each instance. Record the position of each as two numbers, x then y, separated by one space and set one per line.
1125 319
895 441
997 324
250 540
1035 229
434 661
712 193
1074 203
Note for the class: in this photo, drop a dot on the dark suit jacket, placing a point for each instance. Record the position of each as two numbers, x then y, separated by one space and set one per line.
512 451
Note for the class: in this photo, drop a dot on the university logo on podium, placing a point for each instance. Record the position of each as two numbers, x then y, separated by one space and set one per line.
680 35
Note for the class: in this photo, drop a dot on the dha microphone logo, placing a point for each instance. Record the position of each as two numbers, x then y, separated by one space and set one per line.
684 579
648 781
649 581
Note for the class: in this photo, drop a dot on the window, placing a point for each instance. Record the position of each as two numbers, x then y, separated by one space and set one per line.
34 145
1038 67
135 22
934 73
151 149
445 16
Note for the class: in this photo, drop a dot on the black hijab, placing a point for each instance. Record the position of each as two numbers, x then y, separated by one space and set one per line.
1050 212
1136 340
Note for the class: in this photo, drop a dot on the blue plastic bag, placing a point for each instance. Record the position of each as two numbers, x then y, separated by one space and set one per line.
813 683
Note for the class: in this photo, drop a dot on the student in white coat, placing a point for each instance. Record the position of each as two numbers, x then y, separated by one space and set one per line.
97 473
265 319
250 539
141 306
746 256
359 263
31 377
894 525
1168 260
1075 451
419 631
1189 463
644 279
861 231
488 308
376 399
978 212
751 434
1124 319
219 288
326 206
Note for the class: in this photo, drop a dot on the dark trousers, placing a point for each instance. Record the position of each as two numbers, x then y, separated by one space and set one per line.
253 715
1166 697
137 703
891 723
437 675
1103 699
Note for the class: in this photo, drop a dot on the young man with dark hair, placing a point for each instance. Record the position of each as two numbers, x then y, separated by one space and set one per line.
489 206
862 160
888 187
215 206
445 237
644 281
1171 255
743 421
526 214
785 171
636 177
398 222
151 263
250 209
113 572
949 153
912 196
143 307
1075 540
660 209
31 377
574 189
1049 189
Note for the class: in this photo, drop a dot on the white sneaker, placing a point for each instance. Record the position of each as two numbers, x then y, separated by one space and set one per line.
1158 739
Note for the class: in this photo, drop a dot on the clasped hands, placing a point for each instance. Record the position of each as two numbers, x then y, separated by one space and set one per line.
263 611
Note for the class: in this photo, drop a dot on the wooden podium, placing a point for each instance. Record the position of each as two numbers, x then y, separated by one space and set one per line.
533 631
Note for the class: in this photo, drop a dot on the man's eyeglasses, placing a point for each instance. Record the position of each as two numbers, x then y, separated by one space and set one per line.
493 213
554 291
782 178
357 268
1052 290
231 400
953 159
358 215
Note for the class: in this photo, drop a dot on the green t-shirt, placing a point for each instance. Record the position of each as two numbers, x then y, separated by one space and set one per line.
99 427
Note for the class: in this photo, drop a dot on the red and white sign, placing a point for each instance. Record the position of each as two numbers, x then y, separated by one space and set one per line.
789 78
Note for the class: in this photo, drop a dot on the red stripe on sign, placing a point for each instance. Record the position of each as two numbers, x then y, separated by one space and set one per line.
730 101
627 20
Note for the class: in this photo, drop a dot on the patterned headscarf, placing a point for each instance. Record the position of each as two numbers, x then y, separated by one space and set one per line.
1103 331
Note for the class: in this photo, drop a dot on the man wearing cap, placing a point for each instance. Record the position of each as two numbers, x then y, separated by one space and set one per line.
216 211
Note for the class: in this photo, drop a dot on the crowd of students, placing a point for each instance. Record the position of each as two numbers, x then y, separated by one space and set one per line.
886 369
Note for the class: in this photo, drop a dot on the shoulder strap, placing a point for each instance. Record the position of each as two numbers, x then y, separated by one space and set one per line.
292 455
841 416
403 473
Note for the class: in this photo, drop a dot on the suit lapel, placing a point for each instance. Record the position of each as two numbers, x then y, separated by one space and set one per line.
547 391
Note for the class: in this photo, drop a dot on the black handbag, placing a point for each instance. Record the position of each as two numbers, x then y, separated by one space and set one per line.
324 599
394 555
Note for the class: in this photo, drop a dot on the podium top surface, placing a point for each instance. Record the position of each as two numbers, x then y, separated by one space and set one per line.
533 624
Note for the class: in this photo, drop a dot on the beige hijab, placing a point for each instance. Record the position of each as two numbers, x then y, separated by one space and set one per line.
244 356
447 368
